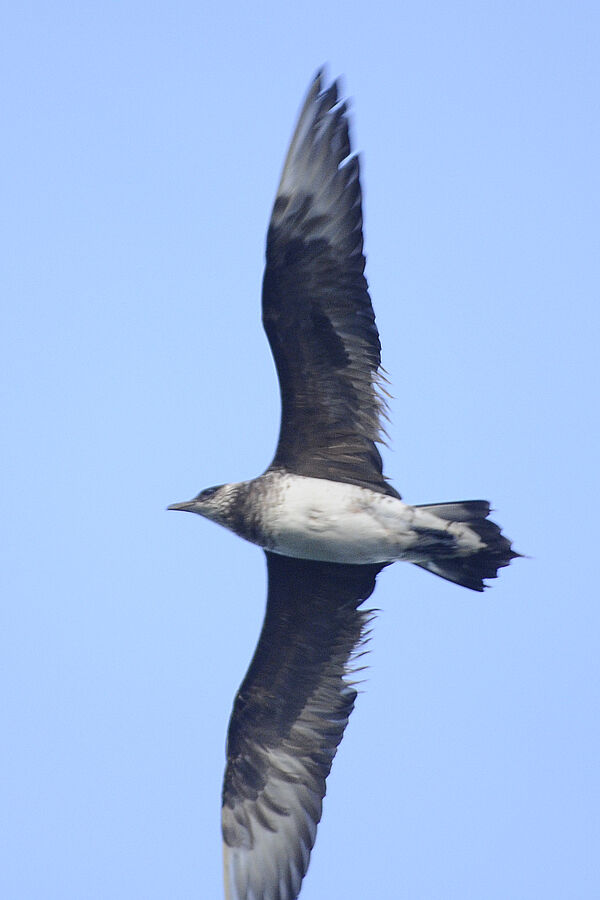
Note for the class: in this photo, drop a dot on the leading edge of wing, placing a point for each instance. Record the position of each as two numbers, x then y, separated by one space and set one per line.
288 719
317 312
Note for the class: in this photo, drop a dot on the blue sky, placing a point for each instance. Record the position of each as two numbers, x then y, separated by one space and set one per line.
142 148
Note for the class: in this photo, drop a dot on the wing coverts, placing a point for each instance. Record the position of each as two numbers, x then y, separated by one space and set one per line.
317 312
288 718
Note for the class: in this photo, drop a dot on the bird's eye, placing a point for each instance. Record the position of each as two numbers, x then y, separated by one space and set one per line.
207 493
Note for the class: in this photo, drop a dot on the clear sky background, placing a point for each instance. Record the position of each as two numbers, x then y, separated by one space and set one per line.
141 150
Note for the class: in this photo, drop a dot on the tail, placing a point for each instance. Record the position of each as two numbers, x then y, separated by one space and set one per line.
470 571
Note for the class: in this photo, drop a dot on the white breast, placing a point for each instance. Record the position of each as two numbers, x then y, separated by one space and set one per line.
335 522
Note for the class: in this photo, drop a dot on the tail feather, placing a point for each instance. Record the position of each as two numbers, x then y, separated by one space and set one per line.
461 511
470 571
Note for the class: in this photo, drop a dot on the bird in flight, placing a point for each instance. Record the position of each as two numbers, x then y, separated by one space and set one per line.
323 512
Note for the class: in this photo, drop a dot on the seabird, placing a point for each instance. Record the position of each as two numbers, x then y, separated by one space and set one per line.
323 512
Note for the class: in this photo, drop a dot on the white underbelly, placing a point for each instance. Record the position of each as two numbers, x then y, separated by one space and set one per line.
335 522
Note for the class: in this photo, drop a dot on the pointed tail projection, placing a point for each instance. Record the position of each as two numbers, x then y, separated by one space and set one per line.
470 571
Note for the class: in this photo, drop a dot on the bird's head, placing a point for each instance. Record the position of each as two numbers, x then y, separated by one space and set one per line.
213 503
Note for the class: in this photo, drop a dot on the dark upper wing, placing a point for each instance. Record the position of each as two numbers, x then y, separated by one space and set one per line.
316 307
287 721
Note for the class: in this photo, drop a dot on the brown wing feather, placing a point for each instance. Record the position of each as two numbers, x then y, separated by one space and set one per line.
288 718
317 312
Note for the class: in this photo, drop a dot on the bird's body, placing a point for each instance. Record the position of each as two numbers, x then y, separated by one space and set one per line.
330 521
323 512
